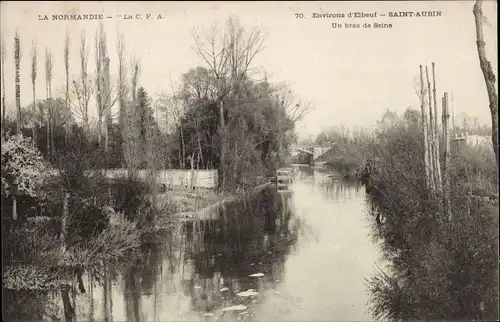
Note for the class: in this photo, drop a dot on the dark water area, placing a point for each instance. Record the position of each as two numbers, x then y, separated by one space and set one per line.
298 254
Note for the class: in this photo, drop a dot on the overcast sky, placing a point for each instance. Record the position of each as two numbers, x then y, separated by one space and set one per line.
350 76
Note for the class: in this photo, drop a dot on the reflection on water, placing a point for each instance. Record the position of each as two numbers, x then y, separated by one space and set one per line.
299 254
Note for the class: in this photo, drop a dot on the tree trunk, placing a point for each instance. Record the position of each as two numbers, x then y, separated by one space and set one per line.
99 129
221 171
446 178
436 132
183 149
432 160
489 76
3 92
68 125
47 108
64 221
51 122
14 207
107 104
424 126
35 127
191 159
18 82
3 112
179 151
48 130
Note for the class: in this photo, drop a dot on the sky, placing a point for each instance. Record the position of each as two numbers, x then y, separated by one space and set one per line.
349 76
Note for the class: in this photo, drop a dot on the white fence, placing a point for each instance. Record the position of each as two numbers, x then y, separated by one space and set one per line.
171 178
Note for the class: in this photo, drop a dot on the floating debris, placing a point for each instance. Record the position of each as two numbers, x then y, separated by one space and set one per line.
208 314
234 308
252 264
197 286
247 293
224 289
256 275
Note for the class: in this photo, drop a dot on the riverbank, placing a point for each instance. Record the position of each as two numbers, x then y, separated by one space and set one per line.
444 261
46 264
201 205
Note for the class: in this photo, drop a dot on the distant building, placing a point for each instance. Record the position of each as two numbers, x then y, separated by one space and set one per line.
473 140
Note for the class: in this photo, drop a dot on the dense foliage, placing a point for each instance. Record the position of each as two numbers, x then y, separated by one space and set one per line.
441 269
257 129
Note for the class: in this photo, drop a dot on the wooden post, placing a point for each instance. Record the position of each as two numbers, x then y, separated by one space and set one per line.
436 132
446 178
424 126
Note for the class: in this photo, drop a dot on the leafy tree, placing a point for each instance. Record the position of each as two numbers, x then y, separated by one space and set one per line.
22 169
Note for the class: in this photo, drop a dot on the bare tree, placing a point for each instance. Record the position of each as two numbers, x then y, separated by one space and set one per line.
82 88
292 107
228 54
100 54
3 57
48 93
33 81
17 60
489 76
446 169
107 103
130 131
66 69
136 72
122 88
432 145
436 132
424 126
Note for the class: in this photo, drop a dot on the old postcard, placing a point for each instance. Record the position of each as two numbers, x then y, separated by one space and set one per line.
249 161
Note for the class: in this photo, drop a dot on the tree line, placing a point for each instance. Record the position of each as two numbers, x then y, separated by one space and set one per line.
220 117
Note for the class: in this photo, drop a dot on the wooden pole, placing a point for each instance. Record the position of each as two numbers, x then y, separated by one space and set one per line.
424 126
446 175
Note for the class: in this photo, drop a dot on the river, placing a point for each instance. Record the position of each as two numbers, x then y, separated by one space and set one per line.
293 255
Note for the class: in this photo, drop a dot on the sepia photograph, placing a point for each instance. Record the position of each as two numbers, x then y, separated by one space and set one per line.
249 161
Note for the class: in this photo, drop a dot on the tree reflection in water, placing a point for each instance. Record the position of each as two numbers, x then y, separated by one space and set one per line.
197 261
249 237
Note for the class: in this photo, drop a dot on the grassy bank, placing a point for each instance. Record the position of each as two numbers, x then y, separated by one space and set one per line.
188 201
441 269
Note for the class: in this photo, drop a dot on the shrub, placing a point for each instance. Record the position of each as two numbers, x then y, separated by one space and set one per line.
440 269
129 195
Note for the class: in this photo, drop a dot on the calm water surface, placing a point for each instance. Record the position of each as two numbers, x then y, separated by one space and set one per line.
311 245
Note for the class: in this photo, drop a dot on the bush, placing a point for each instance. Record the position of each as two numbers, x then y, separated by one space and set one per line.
440 269
29 242
129 195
